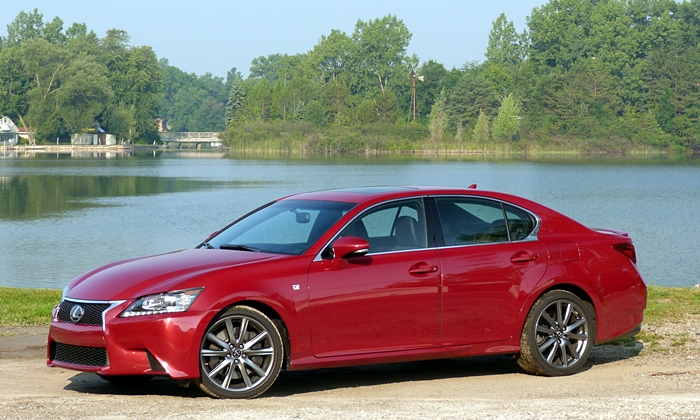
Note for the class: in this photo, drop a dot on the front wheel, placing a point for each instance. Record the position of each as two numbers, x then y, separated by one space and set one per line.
558 335
240 355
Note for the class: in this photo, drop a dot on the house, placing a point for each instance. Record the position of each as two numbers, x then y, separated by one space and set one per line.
93 139
8 132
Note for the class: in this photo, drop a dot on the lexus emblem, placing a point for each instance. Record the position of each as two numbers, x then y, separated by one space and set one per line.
76 313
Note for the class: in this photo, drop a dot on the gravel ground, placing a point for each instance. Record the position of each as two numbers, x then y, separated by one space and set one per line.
658 380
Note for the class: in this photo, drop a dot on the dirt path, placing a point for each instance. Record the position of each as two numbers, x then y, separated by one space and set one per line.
616 384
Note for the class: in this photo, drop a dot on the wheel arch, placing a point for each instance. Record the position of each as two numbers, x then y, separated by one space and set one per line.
586 296
274 316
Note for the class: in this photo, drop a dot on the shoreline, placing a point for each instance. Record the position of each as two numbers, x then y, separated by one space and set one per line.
65 149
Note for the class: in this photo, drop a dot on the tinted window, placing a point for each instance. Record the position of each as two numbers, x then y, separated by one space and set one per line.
475 221
520 223
287 226
391 227
471 221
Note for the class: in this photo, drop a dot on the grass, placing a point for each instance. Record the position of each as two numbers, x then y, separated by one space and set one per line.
27 307
670 304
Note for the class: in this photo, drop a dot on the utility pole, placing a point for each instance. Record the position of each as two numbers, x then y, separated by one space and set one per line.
414 100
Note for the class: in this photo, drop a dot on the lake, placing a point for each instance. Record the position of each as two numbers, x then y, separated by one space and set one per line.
61 215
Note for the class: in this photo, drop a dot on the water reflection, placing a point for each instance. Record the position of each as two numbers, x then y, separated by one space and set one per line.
36 196
63 214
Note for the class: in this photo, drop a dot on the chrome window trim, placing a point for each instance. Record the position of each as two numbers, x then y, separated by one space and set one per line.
529 238
111 303
425 217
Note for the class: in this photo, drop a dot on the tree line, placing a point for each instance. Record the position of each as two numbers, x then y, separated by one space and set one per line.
585 74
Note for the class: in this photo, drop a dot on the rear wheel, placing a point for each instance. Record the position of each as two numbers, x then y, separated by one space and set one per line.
558 335
240 355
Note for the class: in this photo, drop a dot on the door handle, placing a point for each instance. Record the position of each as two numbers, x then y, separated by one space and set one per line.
523 257
422 268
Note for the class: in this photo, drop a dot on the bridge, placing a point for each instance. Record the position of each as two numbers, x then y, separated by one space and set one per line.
189 138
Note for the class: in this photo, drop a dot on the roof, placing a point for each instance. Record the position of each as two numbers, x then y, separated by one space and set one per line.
7 126
363 194
371 195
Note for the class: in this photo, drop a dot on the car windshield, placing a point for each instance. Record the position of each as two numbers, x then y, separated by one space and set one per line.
284 227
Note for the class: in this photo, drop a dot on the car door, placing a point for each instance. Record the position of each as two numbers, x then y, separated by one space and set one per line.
490 259
386 300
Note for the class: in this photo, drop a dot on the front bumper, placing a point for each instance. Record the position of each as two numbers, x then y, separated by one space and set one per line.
164 345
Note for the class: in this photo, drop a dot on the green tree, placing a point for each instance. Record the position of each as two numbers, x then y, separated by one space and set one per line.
482 131
267 67
259 101
187 102
209 116
45 64
506 124
15 84
379 55
586 90
506 47
438 120
235 101
331 54
83 94
136 79
431 83
300 112
338 98
471 95
119 120
24 27
316 114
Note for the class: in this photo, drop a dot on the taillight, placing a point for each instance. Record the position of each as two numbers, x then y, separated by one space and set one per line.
627 250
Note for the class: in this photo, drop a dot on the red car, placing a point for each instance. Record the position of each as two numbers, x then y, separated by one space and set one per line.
356 276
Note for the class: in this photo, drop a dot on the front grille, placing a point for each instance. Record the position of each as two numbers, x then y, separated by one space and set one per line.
92 312
78 355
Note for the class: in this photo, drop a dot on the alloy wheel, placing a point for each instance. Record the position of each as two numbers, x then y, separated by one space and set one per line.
562 334
240 355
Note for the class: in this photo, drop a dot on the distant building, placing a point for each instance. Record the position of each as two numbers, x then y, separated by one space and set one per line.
162 125
93 139
8 132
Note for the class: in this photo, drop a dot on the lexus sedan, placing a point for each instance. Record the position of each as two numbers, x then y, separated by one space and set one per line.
356 276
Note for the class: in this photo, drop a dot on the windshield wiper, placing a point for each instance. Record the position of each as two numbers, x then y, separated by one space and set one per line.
239 247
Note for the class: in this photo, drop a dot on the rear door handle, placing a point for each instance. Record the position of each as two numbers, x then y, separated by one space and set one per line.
422 268
523 257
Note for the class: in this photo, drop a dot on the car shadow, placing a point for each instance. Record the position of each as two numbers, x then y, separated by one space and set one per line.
615 352
308 381
301 382
90 383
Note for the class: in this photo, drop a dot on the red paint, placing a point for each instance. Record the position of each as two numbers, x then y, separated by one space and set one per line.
396 306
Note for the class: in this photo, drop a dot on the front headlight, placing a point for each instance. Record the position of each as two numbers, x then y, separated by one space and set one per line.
163 303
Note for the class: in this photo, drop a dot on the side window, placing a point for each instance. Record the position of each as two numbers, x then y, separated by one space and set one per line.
391 227
471 221
520 223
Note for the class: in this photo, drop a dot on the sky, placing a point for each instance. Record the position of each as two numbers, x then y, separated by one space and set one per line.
212 36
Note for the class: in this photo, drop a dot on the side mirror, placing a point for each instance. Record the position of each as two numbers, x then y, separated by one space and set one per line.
349 247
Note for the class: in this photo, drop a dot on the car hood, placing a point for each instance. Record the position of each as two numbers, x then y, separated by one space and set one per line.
133 278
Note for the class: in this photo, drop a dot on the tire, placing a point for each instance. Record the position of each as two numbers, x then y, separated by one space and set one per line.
558 335
240 355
